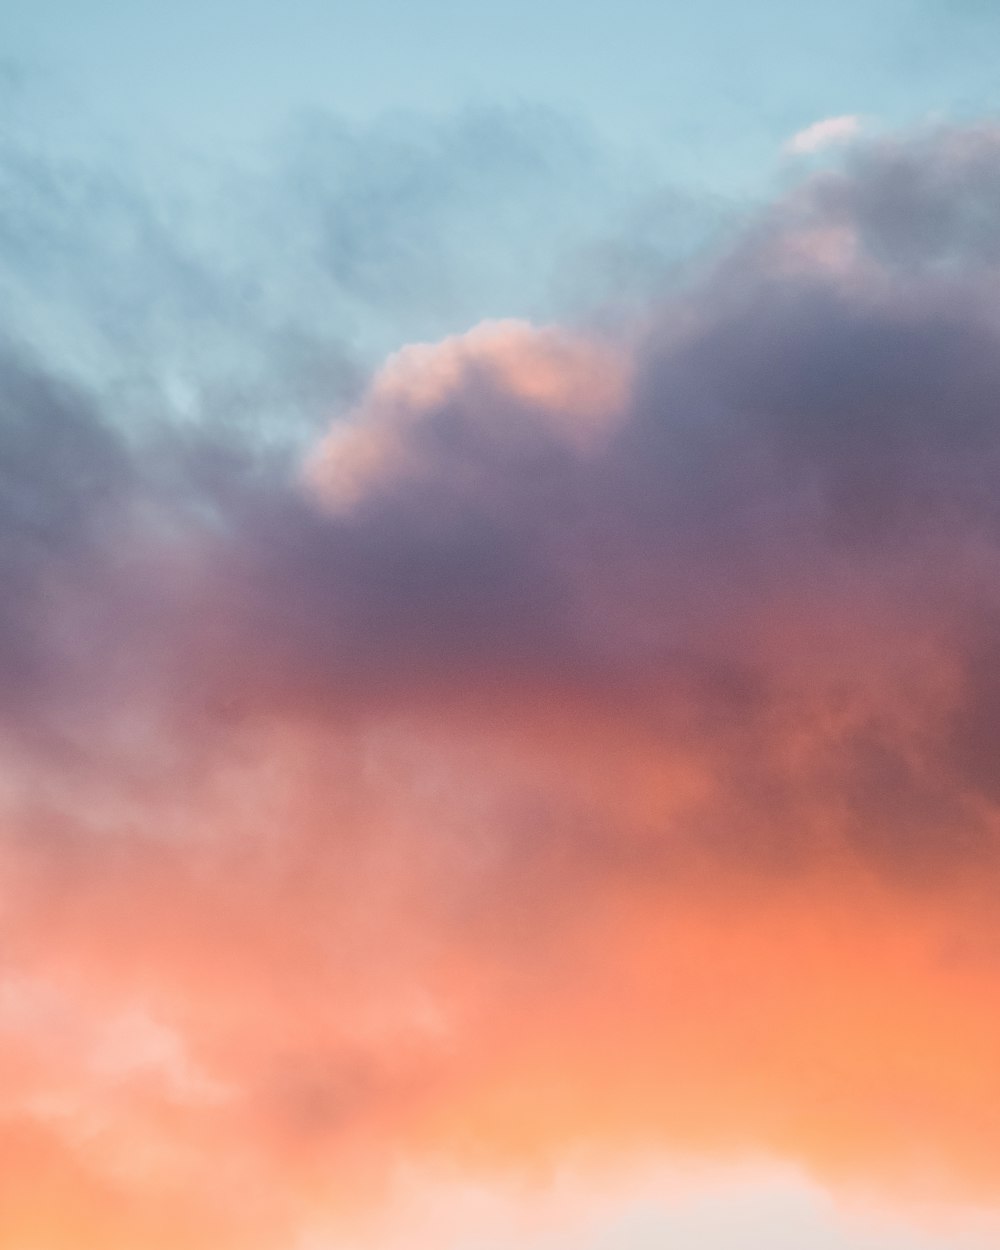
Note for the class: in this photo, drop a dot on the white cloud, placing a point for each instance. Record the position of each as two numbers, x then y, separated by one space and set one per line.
683 1207
823 133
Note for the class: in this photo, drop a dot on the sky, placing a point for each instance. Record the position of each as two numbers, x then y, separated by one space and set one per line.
499 628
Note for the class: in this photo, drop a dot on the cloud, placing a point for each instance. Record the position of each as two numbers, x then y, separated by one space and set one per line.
823 134
587 745
578 383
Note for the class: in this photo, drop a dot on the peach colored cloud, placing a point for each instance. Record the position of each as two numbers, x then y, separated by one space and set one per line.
577 383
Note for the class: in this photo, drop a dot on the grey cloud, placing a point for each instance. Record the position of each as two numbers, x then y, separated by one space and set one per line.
795 512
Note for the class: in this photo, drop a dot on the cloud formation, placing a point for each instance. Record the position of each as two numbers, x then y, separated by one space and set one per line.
590 745
823 134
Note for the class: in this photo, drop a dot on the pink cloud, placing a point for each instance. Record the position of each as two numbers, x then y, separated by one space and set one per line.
823 134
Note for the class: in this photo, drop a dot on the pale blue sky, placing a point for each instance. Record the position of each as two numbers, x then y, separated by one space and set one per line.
373 173
712 88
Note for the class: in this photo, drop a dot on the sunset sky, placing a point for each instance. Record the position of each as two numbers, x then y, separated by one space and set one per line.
499 625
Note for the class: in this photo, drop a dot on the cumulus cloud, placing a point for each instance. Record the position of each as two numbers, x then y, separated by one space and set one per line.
589 743
575 382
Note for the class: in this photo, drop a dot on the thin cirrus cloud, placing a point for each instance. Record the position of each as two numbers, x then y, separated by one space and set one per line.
588 747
